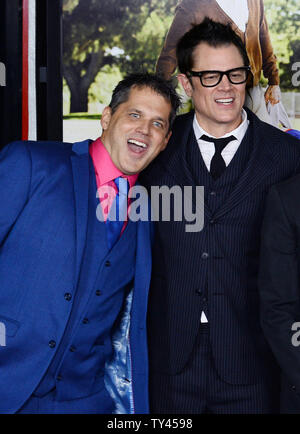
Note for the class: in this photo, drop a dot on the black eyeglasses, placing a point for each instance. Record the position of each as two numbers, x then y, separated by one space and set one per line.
213 78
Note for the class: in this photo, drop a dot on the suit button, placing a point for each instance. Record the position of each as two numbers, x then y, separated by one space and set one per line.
85 320
198 291
204 255
59 377
68 296
72 349
204 299
107 264
98 292
212 221
294 387
52 344
213 193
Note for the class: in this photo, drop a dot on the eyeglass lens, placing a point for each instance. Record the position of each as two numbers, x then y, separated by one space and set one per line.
213 78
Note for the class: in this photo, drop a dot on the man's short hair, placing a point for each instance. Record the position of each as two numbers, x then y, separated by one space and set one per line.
152 81
212 33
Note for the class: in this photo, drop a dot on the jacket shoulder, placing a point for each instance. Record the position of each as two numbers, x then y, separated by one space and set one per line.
286 145
289 188
36 157
282 143
30 147
49 147
183 120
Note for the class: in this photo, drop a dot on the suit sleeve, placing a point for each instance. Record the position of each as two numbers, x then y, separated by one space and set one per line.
15 178
183 20
279 286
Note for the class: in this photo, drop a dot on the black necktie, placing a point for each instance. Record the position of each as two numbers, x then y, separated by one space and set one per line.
217 164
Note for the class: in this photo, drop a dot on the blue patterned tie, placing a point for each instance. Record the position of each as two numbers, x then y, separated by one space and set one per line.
118 212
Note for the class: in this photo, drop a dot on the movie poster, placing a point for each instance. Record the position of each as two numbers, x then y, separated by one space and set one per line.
103 41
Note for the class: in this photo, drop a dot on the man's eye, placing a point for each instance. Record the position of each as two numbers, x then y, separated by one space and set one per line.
158 124
210 76
134 115
236 74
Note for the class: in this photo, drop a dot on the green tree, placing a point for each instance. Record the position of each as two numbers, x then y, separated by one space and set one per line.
143 47
283 18
91 29
137 50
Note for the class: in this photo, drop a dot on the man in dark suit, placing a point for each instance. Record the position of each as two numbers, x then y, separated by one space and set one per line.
279 285
67 262
206 348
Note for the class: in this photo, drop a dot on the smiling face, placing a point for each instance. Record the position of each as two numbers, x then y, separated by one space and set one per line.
218 109
137 131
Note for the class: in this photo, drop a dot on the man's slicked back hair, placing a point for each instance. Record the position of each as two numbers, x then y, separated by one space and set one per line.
212 33
146 80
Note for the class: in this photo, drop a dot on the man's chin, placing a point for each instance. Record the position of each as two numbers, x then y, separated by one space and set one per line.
231 120
132 170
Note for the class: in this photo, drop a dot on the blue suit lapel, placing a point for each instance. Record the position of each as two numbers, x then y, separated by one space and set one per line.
80 168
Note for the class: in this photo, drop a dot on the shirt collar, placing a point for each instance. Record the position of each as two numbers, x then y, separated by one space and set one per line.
239 132
105 169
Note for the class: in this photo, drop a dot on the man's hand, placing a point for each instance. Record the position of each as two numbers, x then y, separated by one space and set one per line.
272 94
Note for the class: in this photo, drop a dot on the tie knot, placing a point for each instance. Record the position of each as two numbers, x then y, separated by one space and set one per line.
122 185
219 143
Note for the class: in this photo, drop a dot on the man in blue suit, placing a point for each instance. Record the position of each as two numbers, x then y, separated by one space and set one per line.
65 275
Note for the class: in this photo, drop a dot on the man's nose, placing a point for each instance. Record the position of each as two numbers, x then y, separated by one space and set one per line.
143 126
225 83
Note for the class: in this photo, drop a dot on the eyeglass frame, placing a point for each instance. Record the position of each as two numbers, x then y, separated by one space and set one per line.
222 73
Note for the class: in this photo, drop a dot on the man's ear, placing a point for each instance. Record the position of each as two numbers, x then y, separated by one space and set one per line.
105 118
186 84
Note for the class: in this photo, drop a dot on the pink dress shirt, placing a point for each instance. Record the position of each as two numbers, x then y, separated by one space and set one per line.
106 172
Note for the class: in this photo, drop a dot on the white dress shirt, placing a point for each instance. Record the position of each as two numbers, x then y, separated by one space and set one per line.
237 10
207 149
